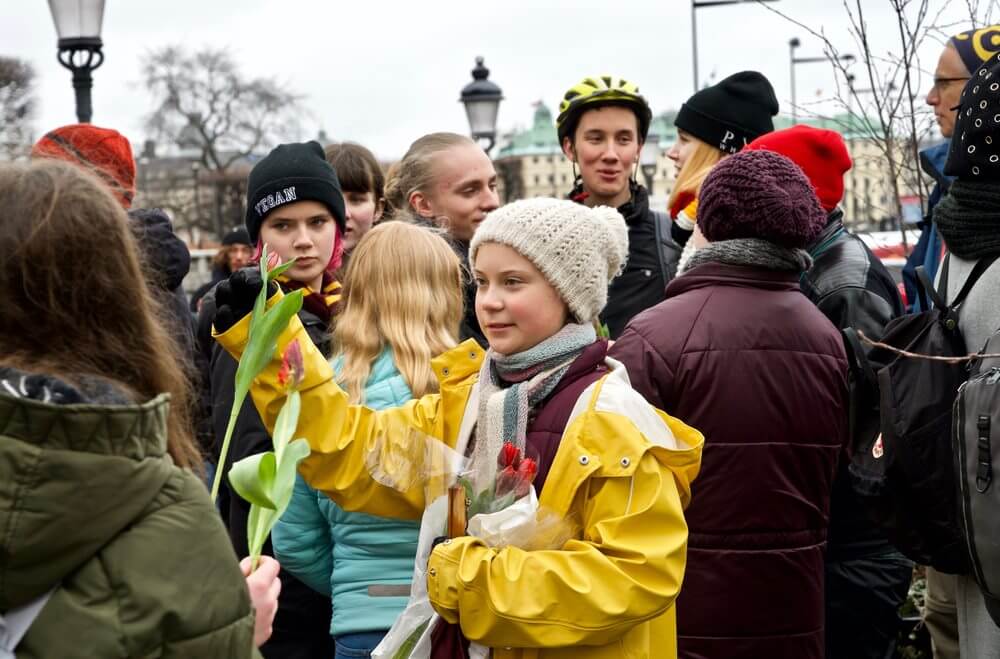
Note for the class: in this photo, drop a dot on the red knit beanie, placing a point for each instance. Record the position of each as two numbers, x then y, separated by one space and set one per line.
103 151
820 153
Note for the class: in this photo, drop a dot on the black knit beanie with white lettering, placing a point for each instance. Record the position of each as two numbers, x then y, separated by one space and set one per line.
292 172
731 113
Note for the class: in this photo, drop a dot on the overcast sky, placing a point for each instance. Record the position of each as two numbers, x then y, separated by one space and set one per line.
383 73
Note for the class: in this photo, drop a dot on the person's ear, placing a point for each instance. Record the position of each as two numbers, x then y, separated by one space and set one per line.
420 204
379 209
568 150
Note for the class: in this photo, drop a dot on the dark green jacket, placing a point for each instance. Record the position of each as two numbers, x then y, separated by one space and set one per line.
91 504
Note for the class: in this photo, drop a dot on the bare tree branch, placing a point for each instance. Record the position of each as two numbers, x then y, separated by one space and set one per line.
203 100
17 106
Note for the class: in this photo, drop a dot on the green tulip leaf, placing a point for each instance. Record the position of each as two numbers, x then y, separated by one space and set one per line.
262 339
284 483
279 270
254 478
288 419
262 343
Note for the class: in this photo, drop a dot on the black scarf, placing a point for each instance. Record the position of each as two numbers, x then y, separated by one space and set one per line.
969 219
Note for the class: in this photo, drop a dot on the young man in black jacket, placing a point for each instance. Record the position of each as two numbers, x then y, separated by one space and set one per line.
602 125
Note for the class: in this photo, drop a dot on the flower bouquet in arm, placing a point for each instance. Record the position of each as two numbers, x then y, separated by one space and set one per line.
502 511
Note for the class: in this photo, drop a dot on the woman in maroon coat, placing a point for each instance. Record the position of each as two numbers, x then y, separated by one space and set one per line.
740 353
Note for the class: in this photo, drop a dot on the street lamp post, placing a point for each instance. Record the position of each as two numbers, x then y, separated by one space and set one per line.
648 158
794 43
481 99
697 4
78 24
195 176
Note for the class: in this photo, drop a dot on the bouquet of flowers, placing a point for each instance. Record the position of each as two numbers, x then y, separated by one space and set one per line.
503 514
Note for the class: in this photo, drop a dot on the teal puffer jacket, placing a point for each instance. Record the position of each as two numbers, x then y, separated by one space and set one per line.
364 562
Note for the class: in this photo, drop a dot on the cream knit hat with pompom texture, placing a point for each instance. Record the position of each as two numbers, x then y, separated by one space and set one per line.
579 250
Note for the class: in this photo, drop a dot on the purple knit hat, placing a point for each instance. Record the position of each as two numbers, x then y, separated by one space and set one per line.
760 194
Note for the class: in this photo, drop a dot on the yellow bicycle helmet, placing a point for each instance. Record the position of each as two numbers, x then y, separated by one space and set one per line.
594 92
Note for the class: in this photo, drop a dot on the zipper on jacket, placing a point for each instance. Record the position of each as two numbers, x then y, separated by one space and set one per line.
961 456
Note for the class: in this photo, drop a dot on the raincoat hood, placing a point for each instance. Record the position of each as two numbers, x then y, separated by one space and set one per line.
78 463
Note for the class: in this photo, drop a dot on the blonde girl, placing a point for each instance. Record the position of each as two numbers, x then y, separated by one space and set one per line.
402 306
715 122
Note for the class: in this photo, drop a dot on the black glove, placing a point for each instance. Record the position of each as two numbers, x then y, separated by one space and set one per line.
234 298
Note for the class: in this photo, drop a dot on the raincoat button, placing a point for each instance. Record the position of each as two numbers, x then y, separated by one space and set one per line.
433 572
584 460
445 370
626 462
472 355
447 542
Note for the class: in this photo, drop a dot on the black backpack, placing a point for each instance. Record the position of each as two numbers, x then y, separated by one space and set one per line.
901 423
977 450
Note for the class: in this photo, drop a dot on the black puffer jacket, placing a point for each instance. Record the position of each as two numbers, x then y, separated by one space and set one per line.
301 627
643 282
853 289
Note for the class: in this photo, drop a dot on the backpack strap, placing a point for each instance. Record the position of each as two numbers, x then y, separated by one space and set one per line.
14 624
861 376
982 265
925 289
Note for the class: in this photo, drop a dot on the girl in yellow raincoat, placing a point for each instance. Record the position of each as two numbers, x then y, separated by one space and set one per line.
606 458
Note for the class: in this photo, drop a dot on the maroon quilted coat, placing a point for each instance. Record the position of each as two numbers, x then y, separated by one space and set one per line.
740 354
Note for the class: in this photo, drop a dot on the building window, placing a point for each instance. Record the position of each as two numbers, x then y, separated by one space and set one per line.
534 159
536 179
552 178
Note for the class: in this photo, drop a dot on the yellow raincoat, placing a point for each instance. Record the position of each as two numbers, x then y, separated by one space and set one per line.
623 470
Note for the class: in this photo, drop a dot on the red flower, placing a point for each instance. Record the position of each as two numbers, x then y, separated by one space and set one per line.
273 260
525 475
510 456
292 370
506 481
527 469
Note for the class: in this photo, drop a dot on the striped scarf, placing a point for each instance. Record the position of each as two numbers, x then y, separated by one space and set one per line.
510 386
322 304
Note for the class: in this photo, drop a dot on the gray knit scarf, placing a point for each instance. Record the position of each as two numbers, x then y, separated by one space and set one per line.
511 385
969 219
752 252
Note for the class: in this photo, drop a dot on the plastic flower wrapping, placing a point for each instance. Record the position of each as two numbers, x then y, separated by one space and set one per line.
503 513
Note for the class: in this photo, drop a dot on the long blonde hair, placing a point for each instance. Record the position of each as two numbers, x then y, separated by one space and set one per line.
415 172
695 169
403 290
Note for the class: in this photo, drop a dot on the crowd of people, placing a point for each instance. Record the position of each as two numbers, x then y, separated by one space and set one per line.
680 380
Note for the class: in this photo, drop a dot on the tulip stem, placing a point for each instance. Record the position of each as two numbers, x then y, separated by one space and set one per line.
235 412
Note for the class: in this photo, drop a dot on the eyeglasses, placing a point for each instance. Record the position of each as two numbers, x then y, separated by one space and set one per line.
941 83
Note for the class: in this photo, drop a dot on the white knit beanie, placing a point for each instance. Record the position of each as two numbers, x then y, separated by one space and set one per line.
579 250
